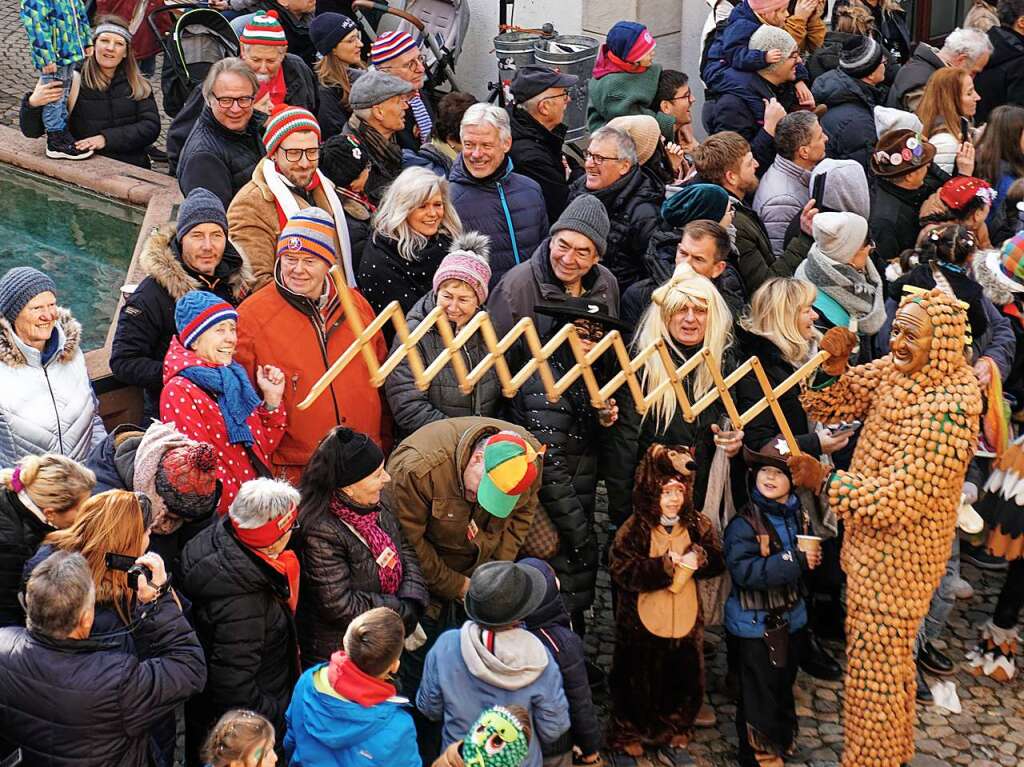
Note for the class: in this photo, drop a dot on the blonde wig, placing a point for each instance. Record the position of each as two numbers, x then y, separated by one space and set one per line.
685 288
774 312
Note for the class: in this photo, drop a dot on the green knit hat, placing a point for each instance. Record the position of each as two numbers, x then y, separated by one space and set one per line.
496 739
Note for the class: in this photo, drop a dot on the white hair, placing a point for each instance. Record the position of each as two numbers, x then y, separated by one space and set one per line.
412 188
972 43
489 115
261 500
625 147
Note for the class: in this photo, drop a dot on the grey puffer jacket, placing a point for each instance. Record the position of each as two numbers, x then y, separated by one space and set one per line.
780 196
413 408
46 408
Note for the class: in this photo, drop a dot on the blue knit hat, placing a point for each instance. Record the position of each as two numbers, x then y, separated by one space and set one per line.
694 202
326 30
196 312
19 286
200 207
624 35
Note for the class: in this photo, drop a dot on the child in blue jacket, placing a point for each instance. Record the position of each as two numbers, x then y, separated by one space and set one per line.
345 712
766 608
59 38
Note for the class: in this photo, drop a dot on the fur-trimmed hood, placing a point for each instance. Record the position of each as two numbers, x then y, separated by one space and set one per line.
161 260
13 355
994 289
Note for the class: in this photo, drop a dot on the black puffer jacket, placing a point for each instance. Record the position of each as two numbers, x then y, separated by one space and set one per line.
340 581
130 127
537 153
87 703
895 220
386 276
1002 80
570 431
333 113
219 159
21 532
240 611
145 324
850 119
300 91
413 408
634 209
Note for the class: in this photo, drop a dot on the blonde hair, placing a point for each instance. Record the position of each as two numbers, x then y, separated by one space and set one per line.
111 522
855 18
52 481
235 736
774 311
412 188
939 107
93 77
683 289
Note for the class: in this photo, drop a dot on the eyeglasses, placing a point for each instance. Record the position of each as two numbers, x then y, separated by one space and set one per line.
294 155
597 159
226 102
688 96
418 63
560 96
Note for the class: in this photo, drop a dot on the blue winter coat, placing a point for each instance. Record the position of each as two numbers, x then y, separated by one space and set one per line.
324 731
849 122
731 50
449 691
739 106
507 207
751 571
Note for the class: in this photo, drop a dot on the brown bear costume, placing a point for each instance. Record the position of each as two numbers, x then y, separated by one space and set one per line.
657 678
920 406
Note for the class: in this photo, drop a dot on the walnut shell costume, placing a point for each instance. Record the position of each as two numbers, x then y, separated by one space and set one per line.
899 503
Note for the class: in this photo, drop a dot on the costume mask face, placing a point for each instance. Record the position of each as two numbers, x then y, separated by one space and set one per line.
911 339
495 740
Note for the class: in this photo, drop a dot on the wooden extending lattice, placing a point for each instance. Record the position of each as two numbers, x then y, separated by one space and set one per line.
538 363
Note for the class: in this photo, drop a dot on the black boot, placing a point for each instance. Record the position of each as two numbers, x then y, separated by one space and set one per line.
60 145
818 663
924 695
933 661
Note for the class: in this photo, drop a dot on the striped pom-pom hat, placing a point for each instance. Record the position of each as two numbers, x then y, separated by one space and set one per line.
390 45
310 232
284 121
196 312
263 29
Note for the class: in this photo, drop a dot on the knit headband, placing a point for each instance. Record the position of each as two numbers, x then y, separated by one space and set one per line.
267 534
205 320
114 29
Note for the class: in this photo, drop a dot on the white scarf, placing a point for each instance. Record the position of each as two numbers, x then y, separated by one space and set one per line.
280 188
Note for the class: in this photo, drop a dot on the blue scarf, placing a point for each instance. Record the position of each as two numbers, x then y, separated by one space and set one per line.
235 394
788 509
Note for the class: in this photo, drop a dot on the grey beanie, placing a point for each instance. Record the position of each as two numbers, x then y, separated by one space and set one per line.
19 286
587 216
838 236
200 207
767 37
846 187
375 87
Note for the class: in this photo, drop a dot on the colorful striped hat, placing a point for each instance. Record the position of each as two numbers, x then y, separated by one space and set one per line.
309 232
197 311
510 468
284 121
1007 264
390 45
263 29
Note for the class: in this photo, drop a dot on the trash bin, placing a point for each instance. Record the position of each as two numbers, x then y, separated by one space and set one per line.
514 50
573 55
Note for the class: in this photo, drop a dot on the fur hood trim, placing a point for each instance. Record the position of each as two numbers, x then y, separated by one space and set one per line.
12 355
160 261
994 289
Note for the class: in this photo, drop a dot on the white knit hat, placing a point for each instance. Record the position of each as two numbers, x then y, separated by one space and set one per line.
838 236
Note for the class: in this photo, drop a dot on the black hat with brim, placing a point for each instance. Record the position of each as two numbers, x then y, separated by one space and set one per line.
504 593
571 309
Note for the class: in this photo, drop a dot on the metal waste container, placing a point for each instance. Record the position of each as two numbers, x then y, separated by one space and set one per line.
514 50
573 55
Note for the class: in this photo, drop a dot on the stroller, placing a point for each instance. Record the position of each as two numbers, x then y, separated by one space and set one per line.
441 25
199 37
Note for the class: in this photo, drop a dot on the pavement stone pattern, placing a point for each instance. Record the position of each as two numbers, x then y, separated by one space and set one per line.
988 733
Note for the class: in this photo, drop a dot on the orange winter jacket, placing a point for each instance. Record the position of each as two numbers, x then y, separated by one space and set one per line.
278 327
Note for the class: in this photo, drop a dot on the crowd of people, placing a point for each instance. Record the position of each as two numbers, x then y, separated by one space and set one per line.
404 574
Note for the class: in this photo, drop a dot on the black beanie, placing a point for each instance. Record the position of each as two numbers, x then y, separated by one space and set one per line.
342 159
860 56
358 456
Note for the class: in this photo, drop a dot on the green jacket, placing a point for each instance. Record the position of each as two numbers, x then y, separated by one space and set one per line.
755 260
58 31
620 94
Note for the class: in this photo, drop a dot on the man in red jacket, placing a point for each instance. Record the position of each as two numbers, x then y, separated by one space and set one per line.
296 323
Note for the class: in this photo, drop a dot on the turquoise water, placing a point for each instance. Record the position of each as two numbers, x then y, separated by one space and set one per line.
83 241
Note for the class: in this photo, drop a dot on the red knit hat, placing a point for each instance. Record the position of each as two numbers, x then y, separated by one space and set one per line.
960 190
284 121
263 29
186 480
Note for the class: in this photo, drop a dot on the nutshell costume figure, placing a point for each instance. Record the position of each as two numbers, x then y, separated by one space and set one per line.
920 407
657 678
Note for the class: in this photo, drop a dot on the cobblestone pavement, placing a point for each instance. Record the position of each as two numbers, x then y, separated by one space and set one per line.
988 733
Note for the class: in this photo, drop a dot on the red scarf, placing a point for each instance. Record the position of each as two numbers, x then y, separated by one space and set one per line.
275 87
359 197
287 564
282 219
608 63
354 684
